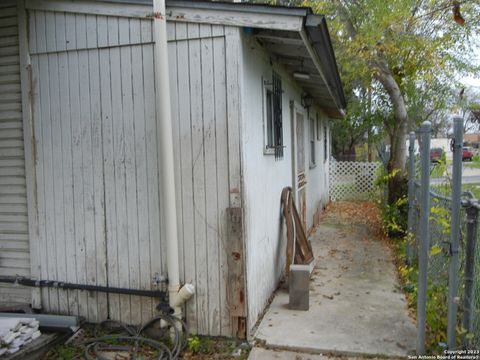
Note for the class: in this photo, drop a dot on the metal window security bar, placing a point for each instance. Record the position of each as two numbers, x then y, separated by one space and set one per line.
274 120
443 241
277 115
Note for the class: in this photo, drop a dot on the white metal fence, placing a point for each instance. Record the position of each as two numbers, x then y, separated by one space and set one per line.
352 180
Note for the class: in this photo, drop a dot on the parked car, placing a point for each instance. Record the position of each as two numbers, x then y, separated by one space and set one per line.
436 155
467 154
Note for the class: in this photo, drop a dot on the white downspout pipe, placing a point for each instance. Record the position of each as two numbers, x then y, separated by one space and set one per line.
164 120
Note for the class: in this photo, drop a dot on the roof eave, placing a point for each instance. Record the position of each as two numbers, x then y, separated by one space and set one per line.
240 7
319 38
237 14
312 29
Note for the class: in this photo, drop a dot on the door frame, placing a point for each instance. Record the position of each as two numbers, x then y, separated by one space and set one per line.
295 108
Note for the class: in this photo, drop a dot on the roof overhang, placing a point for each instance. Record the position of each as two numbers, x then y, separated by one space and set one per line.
297 39
257 16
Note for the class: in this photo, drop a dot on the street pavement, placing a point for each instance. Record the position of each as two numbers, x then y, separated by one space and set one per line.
470 175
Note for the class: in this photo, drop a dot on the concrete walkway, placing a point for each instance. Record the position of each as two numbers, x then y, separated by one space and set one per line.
356 307
270 354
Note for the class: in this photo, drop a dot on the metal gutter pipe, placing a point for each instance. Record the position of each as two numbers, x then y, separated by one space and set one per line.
164 121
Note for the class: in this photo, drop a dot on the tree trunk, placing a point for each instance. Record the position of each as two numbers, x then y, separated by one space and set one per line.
398 152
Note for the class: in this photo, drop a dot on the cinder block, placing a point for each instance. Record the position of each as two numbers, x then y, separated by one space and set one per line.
299 287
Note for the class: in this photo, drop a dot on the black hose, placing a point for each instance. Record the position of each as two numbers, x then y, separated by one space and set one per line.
134 334
180 338
98 344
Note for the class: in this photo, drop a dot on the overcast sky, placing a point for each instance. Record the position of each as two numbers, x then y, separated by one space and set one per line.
474 81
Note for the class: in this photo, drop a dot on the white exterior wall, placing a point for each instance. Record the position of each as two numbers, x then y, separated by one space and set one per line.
264 178
96 171
96 166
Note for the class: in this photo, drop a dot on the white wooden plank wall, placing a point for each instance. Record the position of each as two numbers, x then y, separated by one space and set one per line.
98 168
199 109
64 25
14 245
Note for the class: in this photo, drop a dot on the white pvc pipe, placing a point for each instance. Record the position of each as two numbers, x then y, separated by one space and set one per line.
164 120
185 293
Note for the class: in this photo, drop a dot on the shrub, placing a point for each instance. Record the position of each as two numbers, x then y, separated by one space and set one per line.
394 216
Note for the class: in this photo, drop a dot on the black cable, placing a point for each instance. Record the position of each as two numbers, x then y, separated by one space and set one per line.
134 334
99 345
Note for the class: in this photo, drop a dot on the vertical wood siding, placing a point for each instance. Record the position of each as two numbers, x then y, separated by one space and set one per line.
199 109
14 245
98 170
97 161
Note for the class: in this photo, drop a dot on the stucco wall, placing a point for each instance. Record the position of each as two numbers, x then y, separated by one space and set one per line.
264 178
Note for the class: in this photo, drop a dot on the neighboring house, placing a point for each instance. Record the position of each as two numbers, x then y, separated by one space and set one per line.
472 140
442 143
79 152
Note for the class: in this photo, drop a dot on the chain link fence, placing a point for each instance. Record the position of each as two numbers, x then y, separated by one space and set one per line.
476 297
464 329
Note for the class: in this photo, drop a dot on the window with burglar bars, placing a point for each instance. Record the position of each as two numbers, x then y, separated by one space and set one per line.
312 143
325 143
273 123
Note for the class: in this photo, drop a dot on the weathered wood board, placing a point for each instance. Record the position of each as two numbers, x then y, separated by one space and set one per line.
98 171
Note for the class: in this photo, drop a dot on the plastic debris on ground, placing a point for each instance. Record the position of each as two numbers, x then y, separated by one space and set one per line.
17 332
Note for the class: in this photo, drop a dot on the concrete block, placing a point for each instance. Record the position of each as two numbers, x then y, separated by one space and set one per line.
299 287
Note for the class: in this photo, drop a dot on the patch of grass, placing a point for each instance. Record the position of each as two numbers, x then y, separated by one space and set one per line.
197 345
445 189
473 164
203 347
64 352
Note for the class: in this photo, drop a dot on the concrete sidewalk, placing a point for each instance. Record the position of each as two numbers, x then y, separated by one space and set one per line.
356 307
272 354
